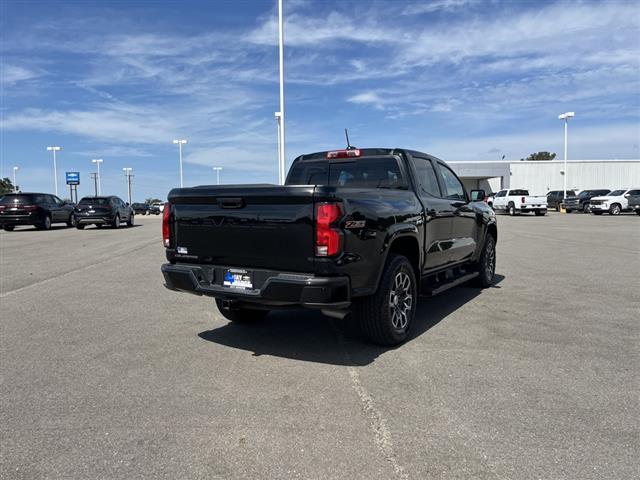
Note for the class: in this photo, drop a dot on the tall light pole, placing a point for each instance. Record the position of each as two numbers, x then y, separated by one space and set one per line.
217 170
281 172
180 143
128 172
55 166
565 116
278 117
15 185
98 161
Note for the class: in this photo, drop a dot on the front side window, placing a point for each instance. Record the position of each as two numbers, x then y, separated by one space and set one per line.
453 188
426 177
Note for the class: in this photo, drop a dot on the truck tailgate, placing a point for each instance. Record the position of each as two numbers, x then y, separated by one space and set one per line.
261 226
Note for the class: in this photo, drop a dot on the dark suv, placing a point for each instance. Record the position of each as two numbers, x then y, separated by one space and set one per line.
580 202
140 208
555 198
38 209
101 211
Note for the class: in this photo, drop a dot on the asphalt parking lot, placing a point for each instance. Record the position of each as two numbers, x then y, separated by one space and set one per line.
107 375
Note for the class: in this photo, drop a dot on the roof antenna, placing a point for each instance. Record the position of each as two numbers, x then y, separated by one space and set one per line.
349 146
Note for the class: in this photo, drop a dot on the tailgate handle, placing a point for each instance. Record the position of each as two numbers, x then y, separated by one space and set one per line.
231 202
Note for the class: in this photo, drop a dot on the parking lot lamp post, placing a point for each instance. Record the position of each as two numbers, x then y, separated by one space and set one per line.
128 173
217 170
15 185
565 116
281 159
98 161
180 143
55 149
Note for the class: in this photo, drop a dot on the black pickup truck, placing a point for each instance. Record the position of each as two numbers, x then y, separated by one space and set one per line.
355 233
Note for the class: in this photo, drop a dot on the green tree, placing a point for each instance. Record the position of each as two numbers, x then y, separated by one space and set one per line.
151 200
540 156
6 185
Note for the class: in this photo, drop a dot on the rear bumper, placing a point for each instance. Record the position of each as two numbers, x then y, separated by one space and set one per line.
20 219
271 288
94 219
531 208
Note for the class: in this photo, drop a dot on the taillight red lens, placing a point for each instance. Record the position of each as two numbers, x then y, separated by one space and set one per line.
327 238
166 240
2 207
30 208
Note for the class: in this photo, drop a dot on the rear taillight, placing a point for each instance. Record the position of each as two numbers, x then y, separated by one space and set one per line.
328 238
522 200
166 240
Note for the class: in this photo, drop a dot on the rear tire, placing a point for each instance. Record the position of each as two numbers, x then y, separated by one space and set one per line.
131 221
241 315
512 209
116 222
638 212
540 213
10 228
80 226
46 223
386 317
72 221
568 211
586 208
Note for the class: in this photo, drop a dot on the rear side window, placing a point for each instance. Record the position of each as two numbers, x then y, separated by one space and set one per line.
426 177
634 192
379 172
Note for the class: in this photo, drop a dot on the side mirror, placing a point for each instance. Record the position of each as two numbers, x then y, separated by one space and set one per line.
127 204
478 195
627 195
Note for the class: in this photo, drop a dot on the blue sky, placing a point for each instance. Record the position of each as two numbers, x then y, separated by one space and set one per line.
460 79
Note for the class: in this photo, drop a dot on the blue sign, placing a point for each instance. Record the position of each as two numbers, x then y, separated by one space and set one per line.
73 178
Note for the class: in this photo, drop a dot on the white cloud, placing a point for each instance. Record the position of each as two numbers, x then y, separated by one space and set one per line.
12 74
430 6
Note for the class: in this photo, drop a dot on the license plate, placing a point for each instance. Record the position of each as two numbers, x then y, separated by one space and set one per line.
238 279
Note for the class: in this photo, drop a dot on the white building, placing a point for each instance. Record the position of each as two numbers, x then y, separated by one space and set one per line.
541 176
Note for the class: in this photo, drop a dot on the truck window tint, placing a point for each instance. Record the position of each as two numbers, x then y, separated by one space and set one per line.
426 177
21 199
519 192
362 173
453 188
94 201
366 173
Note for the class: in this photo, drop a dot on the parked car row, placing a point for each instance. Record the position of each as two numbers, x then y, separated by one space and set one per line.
43 210
596 201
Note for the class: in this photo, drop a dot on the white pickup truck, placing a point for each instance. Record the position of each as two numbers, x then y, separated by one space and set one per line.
518 201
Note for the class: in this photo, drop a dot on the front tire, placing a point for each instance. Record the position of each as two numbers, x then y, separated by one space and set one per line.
116 221
512 210
586 208
80 226
487 263
72 221
240 315
10 228
386 317
615 209
131 221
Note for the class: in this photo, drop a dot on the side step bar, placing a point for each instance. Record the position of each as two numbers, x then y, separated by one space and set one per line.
441 287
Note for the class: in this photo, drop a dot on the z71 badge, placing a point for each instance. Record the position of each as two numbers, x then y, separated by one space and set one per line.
354 224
